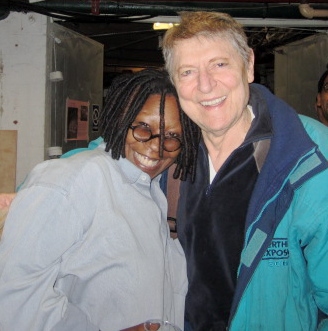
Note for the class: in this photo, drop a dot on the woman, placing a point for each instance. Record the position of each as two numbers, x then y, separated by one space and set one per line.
86 244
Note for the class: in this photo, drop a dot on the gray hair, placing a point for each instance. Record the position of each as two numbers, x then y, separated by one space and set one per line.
208 25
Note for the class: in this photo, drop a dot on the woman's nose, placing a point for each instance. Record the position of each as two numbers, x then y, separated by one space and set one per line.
154 143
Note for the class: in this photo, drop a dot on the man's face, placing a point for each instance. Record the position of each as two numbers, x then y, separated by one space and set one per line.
322 103
212 82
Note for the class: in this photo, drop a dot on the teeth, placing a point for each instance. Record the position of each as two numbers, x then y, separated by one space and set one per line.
214 102
145 161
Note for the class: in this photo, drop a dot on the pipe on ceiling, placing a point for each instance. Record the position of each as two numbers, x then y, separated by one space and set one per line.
77 10
162 8
307 11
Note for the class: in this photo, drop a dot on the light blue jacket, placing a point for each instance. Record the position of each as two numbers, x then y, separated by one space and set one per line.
86 246
283 274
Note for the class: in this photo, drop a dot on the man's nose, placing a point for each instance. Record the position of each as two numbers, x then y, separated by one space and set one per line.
206 82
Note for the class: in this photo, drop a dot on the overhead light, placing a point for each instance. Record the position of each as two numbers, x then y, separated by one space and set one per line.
163 26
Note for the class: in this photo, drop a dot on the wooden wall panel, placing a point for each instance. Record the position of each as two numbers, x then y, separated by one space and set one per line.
8 159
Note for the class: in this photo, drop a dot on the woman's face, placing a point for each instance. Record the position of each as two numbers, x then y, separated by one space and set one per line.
146 155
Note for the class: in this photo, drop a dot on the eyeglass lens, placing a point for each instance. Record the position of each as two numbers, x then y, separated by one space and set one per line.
143 134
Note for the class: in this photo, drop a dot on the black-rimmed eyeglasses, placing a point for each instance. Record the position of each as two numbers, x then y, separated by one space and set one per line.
143 134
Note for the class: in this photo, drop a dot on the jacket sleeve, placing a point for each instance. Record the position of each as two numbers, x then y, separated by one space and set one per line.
41 227
316 256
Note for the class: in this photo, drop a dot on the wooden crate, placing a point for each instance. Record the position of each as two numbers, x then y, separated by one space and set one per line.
8 159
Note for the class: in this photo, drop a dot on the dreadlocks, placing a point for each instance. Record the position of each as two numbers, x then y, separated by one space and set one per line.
125 99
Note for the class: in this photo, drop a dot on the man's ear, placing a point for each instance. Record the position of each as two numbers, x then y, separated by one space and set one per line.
250 67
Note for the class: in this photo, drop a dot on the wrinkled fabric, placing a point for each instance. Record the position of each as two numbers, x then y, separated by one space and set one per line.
86 244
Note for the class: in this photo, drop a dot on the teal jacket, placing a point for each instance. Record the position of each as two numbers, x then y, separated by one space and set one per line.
283 273
92 145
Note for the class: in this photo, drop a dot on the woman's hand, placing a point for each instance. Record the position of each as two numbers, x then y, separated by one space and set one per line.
144 327
173 227
139 327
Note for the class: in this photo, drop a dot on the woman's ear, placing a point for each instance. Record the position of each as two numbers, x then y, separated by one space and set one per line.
318 100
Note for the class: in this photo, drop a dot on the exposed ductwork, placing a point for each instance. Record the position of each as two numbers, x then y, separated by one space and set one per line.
307 11
123 11
125 27
109 10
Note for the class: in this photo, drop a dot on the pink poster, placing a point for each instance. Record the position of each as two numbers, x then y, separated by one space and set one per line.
77 120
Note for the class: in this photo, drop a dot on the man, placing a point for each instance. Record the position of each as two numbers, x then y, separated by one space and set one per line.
254 223
322 99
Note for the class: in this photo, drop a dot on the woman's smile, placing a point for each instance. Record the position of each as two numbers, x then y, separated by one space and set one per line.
147 155
145 161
